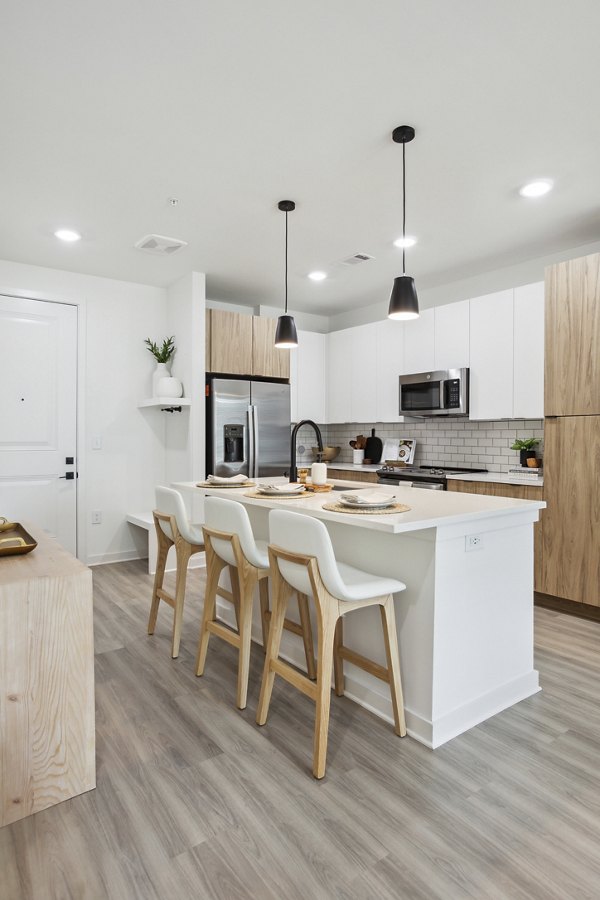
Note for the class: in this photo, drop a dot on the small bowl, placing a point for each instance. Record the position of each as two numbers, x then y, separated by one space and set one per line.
326 454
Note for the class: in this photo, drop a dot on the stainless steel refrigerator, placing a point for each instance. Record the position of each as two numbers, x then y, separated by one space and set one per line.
247 427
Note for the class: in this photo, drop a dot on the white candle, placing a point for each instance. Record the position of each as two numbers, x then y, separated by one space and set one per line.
318 473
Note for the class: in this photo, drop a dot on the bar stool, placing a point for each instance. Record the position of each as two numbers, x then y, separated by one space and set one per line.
230 542
172 528
302 559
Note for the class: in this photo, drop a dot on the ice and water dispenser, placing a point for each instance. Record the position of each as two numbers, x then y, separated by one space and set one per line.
233 443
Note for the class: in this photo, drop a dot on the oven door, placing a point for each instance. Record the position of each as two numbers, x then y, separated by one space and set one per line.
416 483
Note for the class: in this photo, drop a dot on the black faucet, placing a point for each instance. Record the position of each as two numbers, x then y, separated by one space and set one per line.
293 469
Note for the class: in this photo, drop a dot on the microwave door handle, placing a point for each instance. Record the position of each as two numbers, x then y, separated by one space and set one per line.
443 394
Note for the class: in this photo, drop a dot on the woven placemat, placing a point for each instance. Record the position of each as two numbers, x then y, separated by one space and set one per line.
388 511
260 496
238 484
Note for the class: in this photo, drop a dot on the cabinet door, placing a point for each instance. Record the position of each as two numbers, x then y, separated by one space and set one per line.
528 390
572 517
491 356
572 382
311 377
363 373
389 367
451 336
339 374
230 342
267 359
419 343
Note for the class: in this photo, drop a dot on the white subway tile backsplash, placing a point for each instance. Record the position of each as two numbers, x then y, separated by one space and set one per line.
457 442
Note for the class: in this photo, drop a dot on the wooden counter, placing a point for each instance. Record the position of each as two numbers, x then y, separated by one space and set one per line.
47 727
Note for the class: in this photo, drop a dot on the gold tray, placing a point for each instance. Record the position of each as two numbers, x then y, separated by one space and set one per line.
14 539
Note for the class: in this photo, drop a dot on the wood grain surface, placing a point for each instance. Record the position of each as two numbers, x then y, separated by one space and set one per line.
267 359
230 342
572 519
47 733
352 475
572 338
194 801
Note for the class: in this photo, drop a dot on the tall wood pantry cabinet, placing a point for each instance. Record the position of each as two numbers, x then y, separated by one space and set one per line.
572 431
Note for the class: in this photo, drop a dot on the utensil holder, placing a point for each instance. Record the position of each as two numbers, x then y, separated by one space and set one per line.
357 457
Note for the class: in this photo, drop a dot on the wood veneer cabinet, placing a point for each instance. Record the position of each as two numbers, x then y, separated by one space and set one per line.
572 338
239 344
47 726
572 518
345 475
518 492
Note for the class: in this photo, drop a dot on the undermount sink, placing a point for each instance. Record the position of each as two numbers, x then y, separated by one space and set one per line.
338 487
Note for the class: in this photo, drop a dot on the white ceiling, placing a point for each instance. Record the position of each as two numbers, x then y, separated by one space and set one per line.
109 109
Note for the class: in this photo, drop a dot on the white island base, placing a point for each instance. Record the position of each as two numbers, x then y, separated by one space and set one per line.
465 621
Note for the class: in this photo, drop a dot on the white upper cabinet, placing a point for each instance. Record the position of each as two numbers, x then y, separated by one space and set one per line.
452 336
528 392
491 356
339 372
389 367
309 378
419 342
352 376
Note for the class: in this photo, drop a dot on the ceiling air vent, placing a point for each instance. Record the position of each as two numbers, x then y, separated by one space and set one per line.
158 243
356 259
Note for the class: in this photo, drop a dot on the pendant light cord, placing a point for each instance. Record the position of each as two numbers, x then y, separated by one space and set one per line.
286 260
404 209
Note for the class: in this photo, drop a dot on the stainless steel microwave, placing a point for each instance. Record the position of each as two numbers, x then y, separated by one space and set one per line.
441 393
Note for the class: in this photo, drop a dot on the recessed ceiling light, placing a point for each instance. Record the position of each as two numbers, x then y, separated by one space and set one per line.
407 241
536 188
65 234
317 276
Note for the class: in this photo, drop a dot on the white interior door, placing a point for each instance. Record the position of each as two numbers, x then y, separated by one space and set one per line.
38 421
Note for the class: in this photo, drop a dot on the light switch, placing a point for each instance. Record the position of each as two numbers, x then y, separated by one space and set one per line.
97 442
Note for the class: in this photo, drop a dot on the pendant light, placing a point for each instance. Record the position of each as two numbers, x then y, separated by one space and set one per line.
286 336
404 303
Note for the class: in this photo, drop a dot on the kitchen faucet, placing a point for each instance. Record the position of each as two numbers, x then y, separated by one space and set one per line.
293 469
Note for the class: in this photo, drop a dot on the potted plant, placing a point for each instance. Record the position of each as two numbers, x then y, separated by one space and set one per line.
163 384
525 447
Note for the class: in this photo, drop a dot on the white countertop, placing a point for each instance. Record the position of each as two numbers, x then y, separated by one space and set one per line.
428 509
348 467
501 478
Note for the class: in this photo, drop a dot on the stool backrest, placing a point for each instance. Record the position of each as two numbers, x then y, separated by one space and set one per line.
308 536
231 517
171 503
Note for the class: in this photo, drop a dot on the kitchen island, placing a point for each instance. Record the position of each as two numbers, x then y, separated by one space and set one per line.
465 621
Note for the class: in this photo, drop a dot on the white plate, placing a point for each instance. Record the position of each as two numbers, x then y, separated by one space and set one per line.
383 504
268 493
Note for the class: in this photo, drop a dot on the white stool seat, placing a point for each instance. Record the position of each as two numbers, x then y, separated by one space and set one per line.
361 585
262 553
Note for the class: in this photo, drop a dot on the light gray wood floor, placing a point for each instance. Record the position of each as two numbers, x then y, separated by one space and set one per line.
195 801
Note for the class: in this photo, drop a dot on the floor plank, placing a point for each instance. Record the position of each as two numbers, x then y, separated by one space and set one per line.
196 801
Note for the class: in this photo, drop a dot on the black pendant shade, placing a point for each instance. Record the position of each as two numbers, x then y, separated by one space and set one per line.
403 299
404 303
286 335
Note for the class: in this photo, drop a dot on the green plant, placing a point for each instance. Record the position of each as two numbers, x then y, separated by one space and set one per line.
525 443
162 354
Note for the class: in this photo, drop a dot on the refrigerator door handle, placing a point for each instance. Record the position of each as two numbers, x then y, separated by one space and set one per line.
256 447
250 432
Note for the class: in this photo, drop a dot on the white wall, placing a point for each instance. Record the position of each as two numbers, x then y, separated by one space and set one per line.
115 371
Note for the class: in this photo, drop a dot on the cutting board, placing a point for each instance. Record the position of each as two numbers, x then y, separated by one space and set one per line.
373 448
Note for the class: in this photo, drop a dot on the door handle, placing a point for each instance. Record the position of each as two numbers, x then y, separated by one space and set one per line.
69 476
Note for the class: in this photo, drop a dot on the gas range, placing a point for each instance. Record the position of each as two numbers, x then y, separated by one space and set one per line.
431 477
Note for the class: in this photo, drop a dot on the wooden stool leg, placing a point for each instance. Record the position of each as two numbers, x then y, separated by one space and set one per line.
245 629
281 594
390 636
161 561
326 639
307 636
183 551
234 578
338 662
263 590
214 567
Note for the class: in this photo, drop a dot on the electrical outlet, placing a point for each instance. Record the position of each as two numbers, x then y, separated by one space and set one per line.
97 442
473 542
96 517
